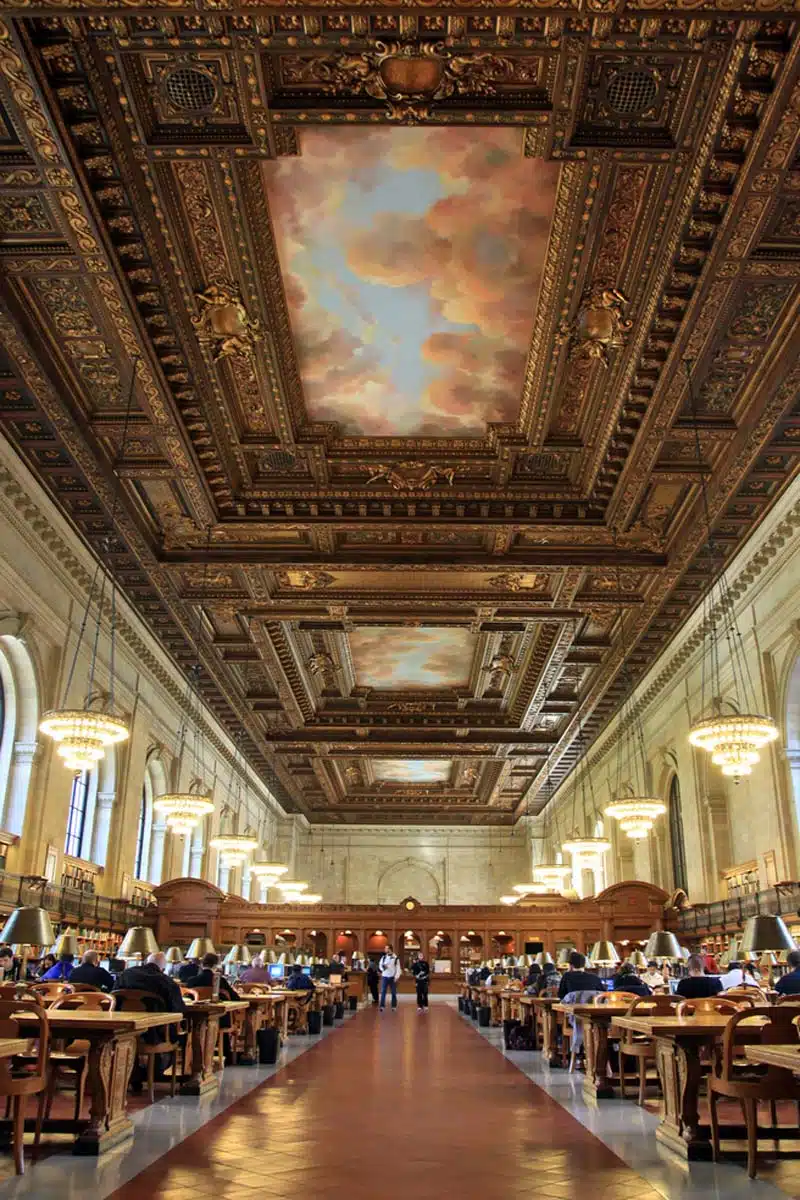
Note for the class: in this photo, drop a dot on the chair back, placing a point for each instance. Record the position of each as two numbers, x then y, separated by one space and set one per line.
86 987
773 1026
752 994
615 998
189 995
203 993
51 990
88 1001
709 1004
791 998
10 1011
653 1006
252 989
133 1000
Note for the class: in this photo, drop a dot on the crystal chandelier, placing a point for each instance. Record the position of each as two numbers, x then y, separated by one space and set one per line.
234 848
733 740
82 736
536 888
509 899
266 871
183 811
636 815
586 845
552 875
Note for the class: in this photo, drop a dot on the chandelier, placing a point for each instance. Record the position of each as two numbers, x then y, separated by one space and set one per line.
82 736
183 811
733 740
234 848
268 871
636 815
536 888
305 898
586 845
552 875
509 899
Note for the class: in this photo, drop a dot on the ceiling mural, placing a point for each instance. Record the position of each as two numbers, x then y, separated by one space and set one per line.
411 770
411 292
412 260
384 657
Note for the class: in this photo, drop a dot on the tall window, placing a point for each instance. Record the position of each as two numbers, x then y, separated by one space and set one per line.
141 862
76 821
676 835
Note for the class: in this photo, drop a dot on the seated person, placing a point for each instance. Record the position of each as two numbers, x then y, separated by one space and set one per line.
549 980
626 980
577 978
789 984
62 971
738 975
297 981
92 973
187 969
532 978
697 984
205 978
653 977
257 972
149 977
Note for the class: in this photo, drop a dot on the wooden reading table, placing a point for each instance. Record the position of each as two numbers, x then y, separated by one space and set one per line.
203 1017
597 1028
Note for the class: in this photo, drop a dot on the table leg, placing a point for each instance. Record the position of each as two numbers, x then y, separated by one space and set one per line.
111 1060
204 1033
252 1024
596 1084
549 1037
680 1072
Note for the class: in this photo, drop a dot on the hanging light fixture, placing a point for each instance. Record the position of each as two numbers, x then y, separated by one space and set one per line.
269 870
83 735
509 899
552 875
635 810
183 811
732 739
234 848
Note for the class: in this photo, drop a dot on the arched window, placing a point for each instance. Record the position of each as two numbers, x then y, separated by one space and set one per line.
676 835
76 820
19 720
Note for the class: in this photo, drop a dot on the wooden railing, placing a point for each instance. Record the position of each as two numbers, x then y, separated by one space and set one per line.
782 899
72 905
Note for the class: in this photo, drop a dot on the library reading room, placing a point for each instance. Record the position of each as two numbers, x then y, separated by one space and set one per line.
399 599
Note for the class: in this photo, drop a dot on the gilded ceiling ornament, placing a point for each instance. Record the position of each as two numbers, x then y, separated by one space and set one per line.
519 581
412 706
600 323
323 667
409 76
410 476
305 580
353 776
223 324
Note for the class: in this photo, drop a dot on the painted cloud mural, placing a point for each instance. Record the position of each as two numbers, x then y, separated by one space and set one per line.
412 260
427 657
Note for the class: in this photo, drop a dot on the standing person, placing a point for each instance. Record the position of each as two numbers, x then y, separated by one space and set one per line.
373 975
391 971
422 974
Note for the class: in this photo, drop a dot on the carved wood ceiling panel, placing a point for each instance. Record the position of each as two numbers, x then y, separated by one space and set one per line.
409 295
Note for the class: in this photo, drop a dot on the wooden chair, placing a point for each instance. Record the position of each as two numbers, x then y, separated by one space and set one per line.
132 1000
253 989
15 1084
711 1004
86 987
51 990
753 994
615 998
750 1084
638 1046
73 1058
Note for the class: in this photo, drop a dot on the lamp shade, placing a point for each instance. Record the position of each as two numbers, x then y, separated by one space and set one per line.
30 926
605 954
238 955
662 944
66 943
766 933
563 957
543 957
174 954
638 959
139 939
201 946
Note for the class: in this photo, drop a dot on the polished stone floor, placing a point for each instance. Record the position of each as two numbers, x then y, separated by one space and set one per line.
398 1105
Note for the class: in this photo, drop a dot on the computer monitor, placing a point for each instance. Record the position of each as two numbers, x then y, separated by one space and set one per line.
276 970
306 970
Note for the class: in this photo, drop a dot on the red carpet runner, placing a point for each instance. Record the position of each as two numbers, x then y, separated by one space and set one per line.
394 1106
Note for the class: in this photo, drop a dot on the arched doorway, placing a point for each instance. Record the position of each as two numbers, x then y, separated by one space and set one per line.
376 944
411 944
677 843
316 942
346 943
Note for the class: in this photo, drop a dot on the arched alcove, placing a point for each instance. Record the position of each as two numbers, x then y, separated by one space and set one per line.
409 877
19 721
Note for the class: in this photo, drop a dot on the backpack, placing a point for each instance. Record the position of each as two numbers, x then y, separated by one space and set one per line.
522 1037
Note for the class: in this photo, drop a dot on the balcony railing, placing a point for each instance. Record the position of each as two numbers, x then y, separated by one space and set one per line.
72 905
781 900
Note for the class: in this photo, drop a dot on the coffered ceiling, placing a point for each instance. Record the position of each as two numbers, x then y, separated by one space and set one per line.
410 294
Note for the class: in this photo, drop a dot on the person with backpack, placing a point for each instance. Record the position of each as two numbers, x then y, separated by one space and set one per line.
422 974
390 970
